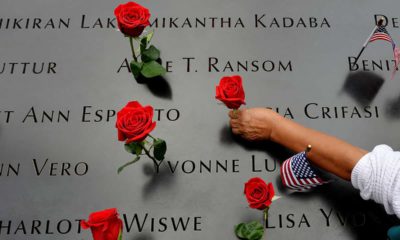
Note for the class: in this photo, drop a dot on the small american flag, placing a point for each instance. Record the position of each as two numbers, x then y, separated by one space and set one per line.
381 34
298 174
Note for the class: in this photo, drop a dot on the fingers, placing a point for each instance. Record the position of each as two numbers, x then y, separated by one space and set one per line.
236 131
235 126
234 123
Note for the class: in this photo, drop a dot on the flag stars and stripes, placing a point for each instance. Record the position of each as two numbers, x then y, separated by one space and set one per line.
382 34
298 174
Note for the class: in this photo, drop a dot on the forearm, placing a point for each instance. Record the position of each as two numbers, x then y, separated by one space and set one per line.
329 153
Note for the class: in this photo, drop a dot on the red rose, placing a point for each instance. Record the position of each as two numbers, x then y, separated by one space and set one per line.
132 18
105 225
230 91
134 122
259 195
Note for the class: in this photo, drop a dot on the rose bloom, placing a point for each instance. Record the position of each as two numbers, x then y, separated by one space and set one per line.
259 194
105 224
134 122
132 18
230 91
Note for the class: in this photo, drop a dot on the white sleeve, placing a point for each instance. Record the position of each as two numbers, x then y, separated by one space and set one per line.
377 175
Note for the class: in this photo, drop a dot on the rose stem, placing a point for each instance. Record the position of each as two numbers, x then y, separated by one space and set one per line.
138 40
148 154
265 216
152 137
235 111
133 49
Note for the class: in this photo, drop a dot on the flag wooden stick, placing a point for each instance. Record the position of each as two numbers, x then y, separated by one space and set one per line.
380 22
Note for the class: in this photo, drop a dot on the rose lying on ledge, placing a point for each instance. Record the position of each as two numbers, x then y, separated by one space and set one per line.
134 124
132 20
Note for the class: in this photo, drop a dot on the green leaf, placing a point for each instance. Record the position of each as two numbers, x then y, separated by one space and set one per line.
250 231
143 45
144 42
254 226
136 67
152 53
255 235
239 230
134 148
149 36
255 230
127 164
152 69
160 148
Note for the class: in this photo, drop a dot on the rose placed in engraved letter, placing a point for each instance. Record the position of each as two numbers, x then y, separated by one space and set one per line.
259 194
105 225
134 122
230 91
132 18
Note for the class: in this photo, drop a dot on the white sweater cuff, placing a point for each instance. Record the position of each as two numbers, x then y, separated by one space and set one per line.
377 175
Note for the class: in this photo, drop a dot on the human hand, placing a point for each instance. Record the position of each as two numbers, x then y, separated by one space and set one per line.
254 123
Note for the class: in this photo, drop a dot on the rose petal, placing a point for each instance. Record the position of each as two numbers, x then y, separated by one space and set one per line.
133 104
230 91
258 193
134 122
132 18
102 216
142 136
121 136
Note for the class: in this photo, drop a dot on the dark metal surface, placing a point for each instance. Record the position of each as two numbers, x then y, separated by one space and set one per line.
55 171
